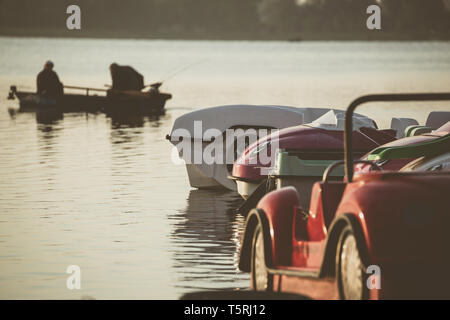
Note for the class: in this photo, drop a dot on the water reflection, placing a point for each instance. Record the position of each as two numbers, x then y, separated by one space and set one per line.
205 241
48 117
133 120
130 121
126 130
49 128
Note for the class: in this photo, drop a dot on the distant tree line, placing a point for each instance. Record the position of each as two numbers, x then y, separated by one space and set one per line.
229 19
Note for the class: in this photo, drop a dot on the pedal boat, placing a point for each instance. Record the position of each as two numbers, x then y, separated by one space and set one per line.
375 235
261 118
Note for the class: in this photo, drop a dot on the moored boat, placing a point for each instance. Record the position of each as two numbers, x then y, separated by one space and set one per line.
364 237
198 132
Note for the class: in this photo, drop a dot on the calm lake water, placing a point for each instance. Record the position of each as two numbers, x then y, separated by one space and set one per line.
103 194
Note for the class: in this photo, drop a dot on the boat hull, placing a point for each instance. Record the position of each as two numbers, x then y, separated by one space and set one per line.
246 188
199 179
141 103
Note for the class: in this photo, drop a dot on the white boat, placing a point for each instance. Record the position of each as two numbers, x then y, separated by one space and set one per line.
199 129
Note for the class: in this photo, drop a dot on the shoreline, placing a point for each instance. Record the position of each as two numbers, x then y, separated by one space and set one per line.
83 34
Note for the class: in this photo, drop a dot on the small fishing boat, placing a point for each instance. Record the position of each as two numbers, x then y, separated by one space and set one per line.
197 132
112 101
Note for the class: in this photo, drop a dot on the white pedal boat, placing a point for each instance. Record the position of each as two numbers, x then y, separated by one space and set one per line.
196 131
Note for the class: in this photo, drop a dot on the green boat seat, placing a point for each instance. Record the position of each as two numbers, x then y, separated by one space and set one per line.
428 148
410 129
420 130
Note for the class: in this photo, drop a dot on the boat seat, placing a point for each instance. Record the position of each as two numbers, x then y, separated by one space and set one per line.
427 148
400 125
437 119
300 225
331 197
325 199
417 130
420 130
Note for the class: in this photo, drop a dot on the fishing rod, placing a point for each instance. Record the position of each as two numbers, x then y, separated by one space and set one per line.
158 84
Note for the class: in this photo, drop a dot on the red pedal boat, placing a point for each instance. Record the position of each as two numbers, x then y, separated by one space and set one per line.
375 235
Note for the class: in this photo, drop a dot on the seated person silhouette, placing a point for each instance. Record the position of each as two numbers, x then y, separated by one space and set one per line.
48 83
125 78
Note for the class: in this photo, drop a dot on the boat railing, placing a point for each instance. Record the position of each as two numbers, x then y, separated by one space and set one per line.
85 88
